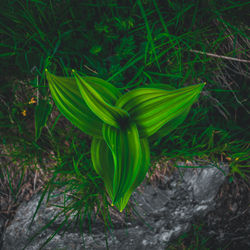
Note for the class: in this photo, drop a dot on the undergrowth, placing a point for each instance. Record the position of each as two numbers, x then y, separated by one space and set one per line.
130 44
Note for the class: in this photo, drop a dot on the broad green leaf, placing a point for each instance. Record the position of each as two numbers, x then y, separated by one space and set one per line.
107 90
174 123
152 108
145 164
126 150
42 112
170 126
108 113
109 93
103 164
69 101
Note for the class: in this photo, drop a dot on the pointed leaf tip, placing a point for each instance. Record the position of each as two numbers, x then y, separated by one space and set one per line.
68 99
104 110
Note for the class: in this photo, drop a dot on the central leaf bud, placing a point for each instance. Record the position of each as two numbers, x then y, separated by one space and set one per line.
124 121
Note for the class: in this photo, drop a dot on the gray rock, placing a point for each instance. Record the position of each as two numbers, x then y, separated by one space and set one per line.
167 211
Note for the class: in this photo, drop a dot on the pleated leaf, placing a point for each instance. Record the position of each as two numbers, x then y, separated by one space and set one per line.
152 108
126 150
109 93
145 164
108 113
172 124
103 164
69 101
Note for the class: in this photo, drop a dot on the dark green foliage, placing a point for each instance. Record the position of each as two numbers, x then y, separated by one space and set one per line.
130 44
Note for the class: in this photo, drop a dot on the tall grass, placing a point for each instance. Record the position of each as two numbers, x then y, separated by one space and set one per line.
130 44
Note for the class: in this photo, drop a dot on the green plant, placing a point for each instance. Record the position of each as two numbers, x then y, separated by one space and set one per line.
134 43
120 124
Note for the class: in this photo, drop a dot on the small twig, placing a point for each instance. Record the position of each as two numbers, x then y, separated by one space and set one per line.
37 92
90 69
206 93
219 56
35 179
222 75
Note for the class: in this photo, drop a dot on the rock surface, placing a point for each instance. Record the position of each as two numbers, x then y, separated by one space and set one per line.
166 210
